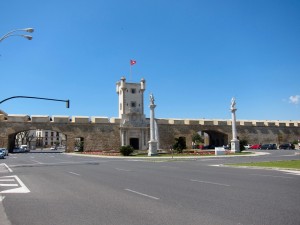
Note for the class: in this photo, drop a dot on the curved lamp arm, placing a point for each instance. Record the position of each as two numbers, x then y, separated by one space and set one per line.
50 99
11 33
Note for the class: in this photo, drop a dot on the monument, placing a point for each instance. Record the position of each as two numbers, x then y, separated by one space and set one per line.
153 141
235 143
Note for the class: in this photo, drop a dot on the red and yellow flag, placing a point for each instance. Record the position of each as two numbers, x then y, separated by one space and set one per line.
132 62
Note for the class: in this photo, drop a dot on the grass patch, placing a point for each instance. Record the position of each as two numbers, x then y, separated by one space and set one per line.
289 164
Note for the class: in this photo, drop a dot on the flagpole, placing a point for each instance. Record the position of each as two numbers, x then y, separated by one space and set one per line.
131 63
130 73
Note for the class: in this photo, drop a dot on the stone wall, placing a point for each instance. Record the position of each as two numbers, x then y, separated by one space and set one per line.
99 135
254 132
102 133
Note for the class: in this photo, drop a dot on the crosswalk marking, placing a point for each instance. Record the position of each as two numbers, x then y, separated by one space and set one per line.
16 182
9 185
7 180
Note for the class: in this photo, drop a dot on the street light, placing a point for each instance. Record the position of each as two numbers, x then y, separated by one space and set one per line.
49 99
15 33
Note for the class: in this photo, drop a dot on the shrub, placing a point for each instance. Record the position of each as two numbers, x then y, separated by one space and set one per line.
242 144
126 150
180 144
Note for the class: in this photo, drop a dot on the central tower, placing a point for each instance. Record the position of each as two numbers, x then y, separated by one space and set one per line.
134 128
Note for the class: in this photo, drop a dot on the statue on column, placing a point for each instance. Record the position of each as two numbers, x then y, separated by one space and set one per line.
233 103
235 143
152 99
153 143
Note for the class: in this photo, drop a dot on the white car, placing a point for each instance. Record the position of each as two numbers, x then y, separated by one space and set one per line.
247 146
5 150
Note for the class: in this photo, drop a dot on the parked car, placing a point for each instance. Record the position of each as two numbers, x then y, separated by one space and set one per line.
53 148
256 146
2 154
5 150
209 147
268 146
17 150
287 146
247 146
24 148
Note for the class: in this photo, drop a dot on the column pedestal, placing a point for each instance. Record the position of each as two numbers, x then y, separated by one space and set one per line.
152 148
235 146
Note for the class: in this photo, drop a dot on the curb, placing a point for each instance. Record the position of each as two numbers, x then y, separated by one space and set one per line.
169 157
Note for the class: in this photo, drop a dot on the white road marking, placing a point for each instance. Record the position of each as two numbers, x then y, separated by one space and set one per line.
74 173
9 169
9 185
271 176
37 161
123 170
291 172
22 189
6 180
207 182
139 193
2 198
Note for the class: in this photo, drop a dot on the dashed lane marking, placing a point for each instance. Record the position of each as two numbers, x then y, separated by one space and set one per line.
123 170
142 194
208 182
77 174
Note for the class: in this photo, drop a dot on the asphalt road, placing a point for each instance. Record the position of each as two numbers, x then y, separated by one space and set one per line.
51 188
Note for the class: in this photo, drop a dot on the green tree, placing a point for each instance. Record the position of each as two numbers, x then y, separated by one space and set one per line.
197 138
180 144
243 142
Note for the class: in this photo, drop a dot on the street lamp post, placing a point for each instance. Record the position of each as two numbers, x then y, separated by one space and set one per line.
16 33
49 99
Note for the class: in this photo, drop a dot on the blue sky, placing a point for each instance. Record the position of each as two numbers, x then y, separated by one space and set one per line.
195 56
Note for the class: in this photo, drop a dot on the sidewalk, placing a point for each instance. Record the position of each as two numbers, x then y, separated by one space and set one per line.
3 217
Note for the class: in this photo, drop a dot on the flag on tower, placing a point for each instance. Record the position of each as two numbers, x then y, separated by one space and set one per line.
132 62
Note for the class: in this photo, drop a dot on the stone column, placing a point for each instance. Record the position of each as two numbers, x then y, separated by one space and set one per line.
123 137
153 142
235 143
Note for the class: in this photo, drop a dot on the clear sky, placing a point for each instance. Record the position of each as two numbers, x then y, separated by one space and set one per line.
195 55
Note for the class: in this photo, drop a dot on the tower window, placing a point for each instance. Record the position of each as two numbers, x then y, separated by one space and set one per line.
133 90
133 104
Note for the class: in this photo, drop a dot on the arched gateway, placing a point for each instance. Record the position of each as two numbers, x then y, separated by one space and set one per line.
132 128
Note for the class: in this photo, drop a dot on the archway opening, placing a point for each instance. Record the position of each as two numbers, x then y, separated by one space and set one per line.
212 139
79 144
39 139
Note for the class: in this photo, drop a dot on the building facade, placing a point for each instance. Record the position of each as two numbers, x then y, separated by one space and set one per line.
40 138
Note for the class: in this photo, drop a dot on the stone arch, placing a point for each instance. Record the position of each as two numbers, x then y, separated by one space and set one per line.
217 138
58 138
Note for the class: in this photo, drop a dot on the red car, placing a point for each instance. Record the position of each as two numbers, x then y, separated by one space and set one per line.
257 146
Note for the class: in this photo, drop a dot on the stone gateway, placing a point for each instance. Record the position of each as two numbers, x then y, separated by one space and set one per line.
133 128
